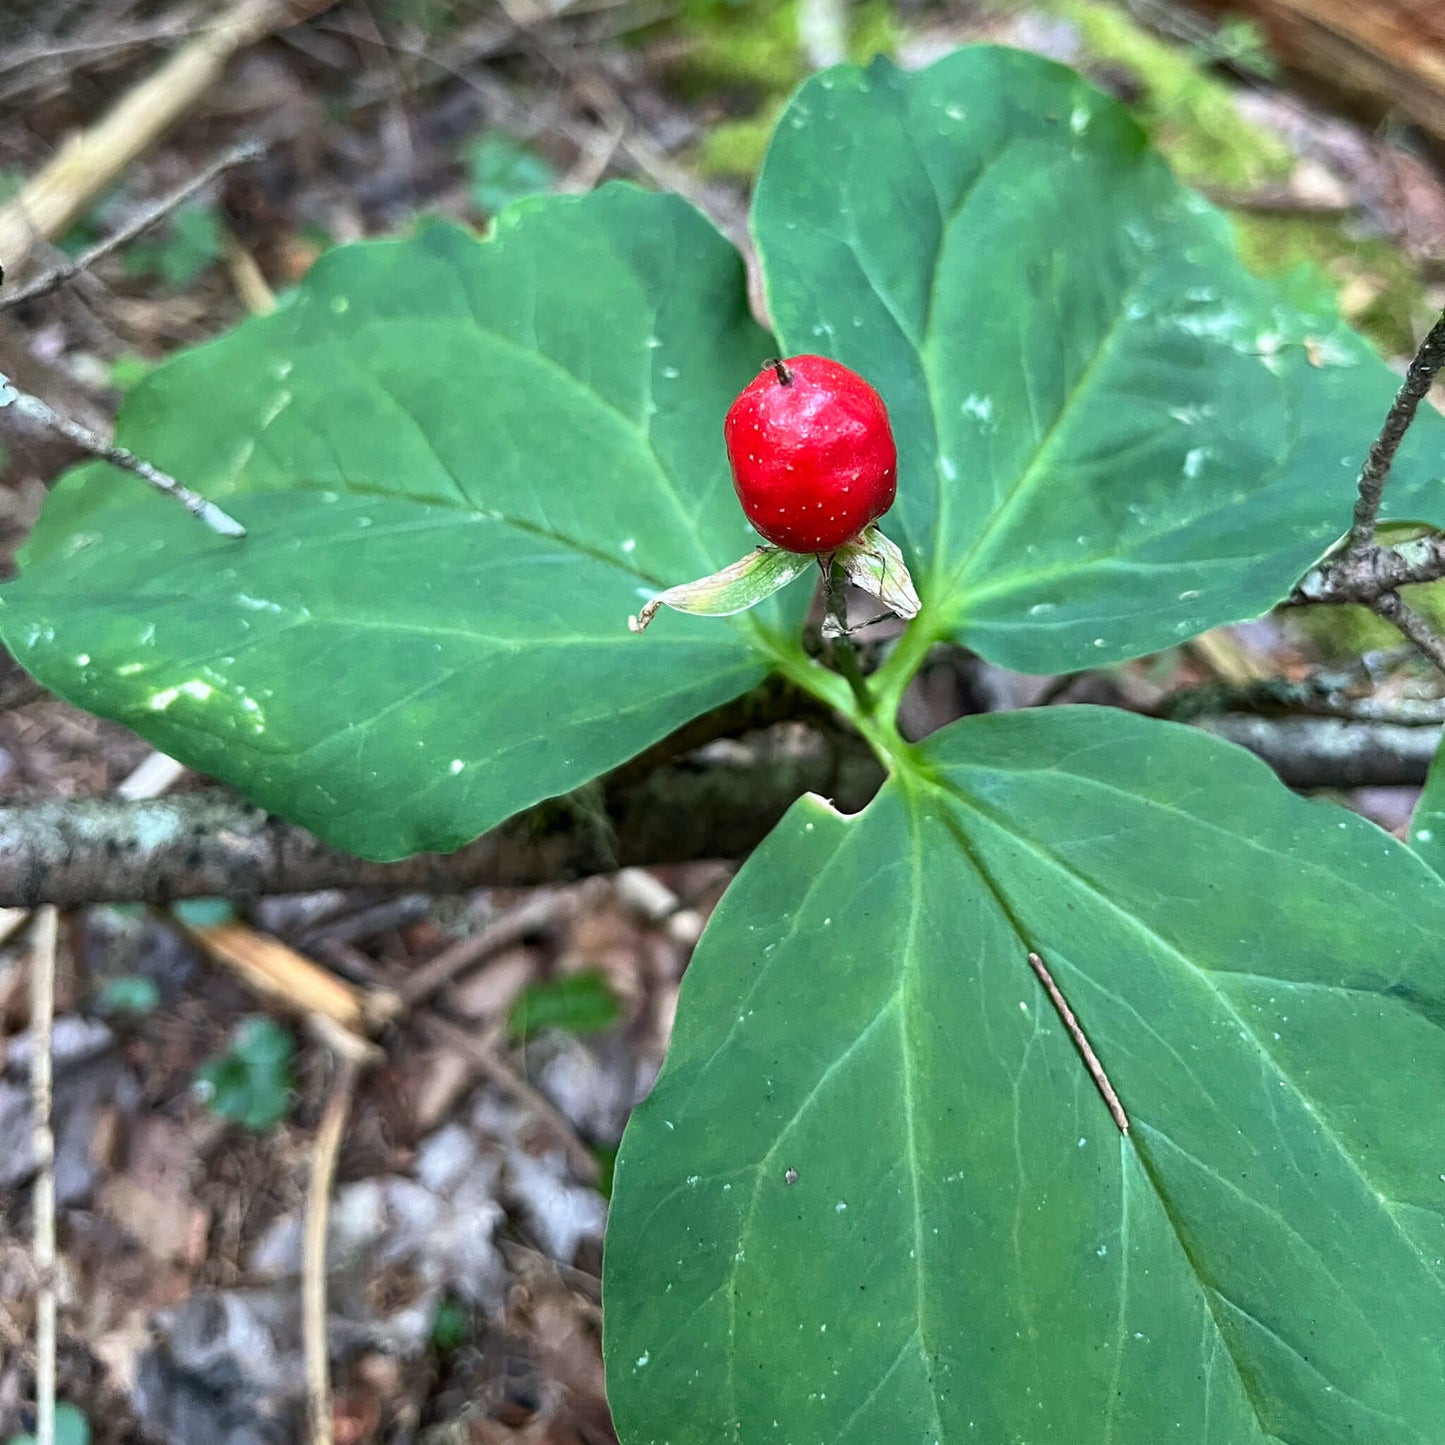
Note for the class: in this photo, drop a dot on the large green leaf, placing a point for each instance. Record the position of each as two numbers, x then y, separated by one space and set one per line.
462 464
1110 436
875 1195
1427 823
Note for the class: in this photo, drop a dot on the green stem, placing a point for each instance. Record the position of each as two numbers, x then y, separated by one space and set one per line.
835 632
892 679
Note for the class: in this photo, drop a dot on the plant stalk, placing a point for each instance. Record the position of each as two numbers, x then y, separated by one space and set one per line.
835 634
1418 380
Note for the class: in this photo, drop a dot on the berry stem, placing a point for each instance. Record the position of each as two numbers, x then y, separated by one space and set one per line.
835 633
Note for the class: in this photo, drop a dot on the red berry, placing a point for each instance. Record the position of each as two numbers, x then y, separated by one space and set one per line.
812 454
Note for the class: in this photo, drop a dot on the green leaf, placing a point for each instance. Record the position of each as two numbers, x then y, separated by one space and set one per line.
252 1082
204 912
876 1196
129 994
1110 435
450 1326
462 464
192 242
502 171
71 1428
1427 824
580 1003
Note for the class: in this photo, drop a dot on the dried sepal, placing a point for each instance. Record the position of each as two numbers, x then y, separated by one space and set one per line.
740 585
873 564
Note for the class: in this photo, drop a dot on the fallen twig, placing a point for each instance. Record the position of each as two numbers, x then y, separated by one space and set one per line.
42 1018
1393 608
544 907
315 1352
1363 571
67 270
43 415
1081 1043
289 979
341 1015
1326 752
484 1054
211 844
1319 696
55 198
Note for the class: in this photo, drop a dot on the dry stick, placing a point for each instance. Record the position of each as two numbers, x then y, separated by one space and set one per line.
1331 752
313 1250
483 1054
1366 572
1419 376
152 778
51 280
42 1018
41 414
540 910
289 979
202 844
1086 1050
90 160
1376 570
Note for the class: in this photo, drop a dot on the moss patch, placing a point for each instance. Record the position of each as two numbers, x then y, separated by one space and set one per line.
735 148
753 45
1193 119
1379 289
1190 115
873 29
752 51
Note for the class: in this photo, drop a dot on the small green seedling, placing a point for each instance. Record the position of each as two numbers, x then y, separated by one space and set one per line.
252 1081
503 170
580 1003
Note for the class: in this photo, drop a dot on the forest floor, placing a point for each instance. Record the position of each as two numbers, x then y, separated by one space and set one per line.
469 1194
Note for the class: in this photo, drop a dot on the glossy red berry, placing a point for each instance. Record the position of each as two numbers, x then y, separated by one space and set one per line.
812 454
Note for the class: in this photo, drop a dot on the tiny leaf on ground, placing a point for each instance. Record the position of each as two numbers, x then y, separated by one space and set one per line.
129 994
580 1003
503 170
190 242
252 1082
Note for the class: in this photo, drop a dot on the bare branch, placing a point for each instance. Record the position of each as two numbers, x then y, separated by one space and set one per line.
212 844
42 1016
718 805
1326 752
90 159
1364 576
41 414
1323 695
1418 379
1394 609
1364 572
51 280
